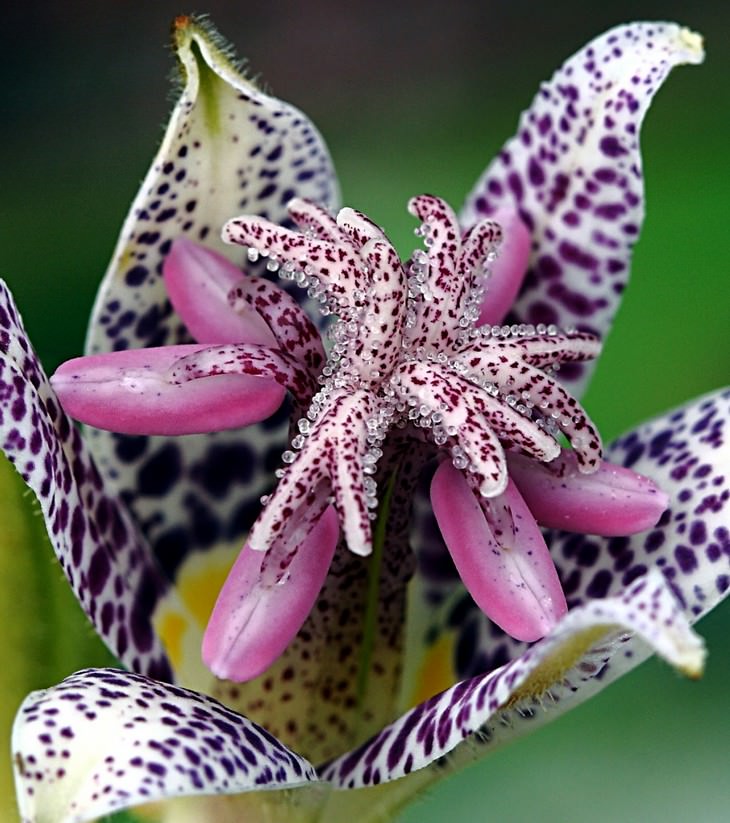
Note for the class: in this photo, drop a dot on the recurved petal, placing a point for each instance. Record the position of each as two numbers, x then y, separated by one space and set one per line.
687 453
612 501
228 147
589 647
156 391
265 600
573 173
108 564
120 739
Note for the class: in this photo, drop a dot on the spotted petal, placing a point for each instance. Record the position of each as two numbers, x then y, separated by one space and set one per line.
687 453
550 677
228 148
104 739
108 564
573 172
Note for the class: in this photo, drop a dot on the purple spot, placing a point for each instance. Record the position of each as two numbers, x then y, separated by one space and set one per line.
659 442
515 184
99 570
574 254
547 267
686 559
542 313
599 586
136 276
544 124
574 301
605 175
698 533
610 211
615 266
611 147
654 541
535 173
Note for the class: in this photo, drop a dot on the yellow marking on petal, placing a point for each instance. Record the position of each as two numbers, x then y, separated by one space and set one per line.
171 628
436 672
557 664
200 580
182 614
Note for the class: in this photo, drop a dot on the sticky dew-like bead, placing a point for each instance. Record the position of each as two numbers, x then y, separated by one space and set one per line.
431 327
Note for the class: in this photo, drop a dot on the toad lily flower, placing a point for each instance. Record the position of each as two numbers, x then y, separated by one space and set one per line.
340 682
404 351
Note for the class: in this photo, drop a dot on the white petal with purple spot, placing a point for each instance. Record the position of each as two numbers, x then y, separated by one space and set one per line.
573 172
107 563
227 147
104 739
555 673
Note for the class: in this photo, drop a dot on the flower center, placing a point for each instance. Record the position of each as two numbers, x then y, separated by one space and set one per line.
406 342
405 353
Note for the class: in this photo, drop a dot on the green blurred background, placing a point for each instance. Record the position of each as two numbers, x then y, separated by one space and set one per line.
412 97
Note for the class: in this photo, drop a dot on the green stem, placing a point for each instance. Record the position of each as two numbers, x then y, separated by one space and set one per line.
371 608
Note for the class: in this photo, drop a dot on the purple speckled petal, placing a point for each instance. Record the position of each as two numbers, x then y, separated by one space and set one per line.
573 172
228 148
108 565
550 677
105 739
687 454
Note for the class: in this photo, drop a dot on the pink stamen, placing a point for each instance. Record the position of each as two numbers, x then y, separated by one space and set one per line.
265 600
133 392
508 270
505 566
198 282
611 501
